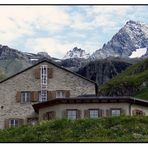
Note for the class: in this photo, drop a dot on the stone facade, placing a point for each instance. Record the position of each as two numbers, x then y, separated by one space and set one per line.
26 81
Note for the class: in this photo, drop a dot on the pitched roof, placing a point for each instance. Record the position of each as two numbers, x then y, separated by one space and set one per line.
50 62
90 99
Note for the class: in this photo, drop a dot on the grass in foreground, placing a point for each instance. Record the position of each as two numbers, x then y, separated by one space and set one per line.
111 129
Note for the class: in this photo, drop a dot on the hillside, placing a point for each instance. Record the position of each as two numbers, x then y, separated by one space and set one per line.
103 70
112 129
131 82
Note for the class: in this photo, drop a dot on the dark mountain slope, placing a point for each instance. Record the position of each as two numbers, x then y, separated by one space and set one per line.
101 71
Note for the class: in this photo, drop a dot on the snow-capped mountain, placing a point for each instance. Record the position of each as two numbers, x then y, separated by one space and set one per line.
76 53
132 37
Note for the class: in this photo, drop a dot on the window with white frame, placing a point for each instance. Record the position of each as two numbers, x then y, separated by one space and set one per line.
71 114
94 113
115 112
60 94
44 72
43 97
25 97
13 122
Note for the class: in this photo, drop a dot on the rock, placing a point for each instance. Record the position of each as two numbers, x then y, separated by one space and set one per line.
101 71
76 53
132 36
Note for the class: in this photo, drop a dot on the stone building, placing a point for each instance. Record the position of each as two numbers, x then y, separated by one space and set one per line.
45 91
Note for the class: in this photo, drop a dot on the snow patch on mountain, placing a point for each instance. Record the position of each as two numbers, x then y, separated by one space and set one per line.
133 35
76 53
138 53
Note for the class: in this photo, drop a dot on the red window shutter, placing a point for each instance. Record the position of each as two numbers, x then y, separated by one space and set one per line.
122 111
64 113
49 95
67 93
21 121
6 123
34 96
53 94
50 73
32 119
18 96
108 112
37 73
45 116
51 115
78 114
101 112
86 114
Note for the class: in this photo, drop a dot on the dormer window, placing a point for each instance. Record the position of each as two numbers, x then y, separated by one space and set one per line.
60 94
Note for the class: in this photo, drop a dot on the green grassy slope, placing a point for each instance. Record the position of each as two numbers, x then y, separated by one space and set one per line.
143 94
111 129
130 82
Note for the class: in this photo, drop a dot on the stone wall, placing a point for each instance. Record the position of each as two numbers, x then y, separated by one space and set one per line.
26 81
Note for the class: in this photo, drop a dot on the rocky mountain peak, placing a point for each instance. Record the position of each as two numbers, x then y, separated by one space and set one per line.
9 53
131 22
133 35
76 53
44 54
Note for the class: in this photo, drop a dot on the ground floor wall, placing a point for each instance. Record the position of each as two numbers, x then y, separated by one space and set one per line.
26 111
139 109
105 107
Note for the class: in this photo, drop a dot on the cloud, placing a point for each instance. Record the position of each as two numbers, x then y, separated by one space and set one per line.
56 29
17 21
56 48
119 10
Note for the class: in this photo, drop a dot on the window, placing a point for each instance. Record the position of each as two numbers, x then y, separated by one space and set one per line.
13 122
44 96
94 113
60 94
115 112
32 121
71 114
44 72
25 97
138 112
49 115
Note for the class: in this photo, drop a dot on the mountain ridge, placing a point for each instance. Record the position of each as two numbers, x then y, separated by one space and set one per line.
131 36
76 53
